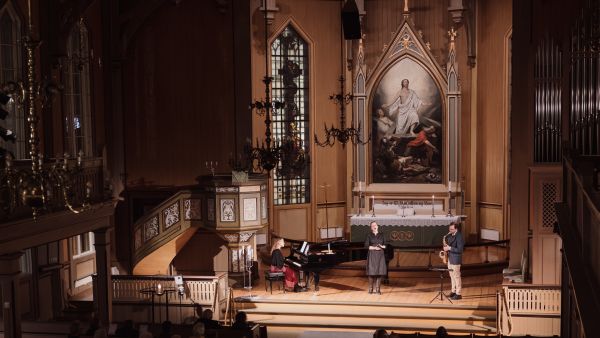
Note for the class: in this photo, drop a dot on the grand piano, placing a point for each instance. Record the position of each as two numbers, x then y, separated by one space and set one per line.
312 258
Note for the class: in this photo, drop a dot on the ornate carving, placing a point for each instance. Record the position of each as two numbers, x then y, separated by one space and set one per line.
228 189
227 210
245 236
151 228
232 238
192 209
171 215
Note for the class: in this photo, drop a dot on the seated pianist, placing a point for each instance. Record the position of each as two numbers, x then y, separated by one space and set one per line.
277 265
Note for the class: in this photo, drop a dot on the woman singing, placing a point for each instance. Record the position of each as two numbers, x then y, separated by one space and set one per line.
376 265
277 265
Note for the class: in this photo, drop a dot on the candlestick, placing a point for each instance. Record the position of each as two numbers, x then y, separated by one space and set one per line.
432 205
373 205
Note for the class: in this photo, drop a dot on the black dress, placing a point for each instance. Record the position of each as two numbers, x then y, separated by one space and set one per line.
376 265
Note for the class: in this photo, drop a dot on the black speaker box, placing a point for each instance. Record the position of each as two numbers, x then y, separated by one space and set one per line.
351 21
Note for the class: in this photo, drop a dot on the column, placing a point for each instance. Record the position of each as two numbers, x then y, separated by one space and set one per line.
9 273
103 286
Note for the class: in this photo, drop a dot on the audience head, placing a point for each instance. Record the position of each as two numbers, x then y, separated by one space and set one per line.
166 326
207 314
146 334
198 310
441 332
380 333
198 329
241 317
75 328
100 333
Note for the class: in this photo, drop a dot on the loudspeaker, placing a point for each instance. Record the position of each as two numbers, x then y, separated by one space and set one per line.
351 21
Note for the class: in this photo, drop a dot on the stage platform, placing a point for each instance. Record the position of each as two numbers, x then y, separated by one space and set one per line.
404 305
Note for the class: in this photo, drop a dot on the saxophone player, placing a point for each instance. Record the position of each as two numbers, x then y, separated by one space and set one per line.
454 249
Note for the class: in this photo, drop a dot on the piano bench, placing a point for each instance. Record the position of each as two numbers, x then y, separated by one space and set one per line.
274 277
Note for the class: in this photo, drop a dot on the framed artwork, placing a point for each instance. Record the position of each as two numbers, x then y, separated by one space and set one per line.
227 210
250 212
407 112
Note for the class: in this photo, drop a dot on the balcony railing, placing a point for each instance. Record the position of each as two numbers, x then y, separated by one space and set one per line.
12 207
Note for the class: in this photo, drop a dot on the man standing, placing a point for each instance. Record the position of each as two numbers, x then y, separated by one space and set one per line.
454 249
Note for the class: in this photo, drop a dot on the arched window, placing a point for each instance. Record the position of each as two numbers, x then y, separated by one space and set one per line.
289 68
10 70
78 116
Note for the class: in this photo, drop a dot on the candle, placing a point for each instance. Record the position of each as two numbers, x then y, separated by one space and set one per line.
449 186
373 201
159 288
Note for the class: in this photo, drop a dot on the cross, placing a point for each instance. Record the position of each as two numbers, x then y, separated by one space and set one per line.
452 34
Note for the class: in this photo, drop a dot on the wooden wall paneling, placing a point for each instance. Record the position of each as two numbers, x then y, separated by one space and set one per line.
205 253
494 21
292 222
178 95
26 291
45 297
490 217
336 214
545 190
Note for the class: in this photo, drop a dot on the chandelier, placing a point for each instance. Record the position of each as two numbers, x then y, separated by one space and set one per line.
342 135
40 187
287 156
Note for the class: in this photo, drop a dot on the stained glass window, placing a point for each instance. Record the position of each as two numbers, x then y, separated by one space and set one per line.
290 70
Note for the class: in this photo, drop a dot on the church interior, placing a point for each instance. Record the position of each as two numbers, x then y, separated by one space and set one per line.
299 168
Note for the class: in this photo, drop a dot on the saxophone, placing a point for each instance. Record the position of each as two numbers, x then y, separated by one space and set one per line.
443 254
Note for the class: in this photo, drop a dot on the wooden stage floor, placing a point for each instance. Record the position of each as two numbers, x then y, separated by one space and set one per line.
476 290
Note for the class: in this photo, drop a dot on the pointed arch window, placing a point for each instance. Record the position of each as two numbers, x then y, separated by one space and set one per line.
289 68
10 70
78 116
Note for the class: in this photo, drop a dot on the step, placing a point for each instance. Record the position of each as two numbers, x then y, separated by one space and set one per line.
369 315
383 311
369 323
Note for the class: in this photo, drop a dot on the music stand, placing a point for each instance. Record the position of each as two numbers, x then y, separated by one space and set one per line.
440 293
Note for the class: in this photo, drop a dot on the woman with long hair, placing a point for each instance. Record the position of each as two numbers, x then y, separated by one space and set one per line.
277 264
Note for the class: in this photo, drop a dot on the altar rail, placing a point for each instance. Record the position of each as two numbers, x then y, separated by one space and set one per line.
529 309
129 300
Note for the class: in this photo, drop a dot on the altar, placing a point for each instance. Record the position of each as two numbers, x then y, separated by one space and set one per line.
403 231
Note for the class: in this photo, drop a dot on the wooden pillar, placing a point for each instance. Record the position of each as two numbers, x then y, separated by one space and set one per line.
9 271
103 285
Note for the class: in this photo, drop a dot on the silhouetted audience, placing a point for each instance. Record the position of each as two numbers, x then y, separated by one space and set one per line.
209 323
441 332
380 333
166 328
94 325
198 330
241 321
126 330
75 330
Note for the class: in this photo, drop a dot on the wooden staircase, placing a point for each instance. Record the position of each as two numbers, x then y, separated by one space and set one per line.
360 315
